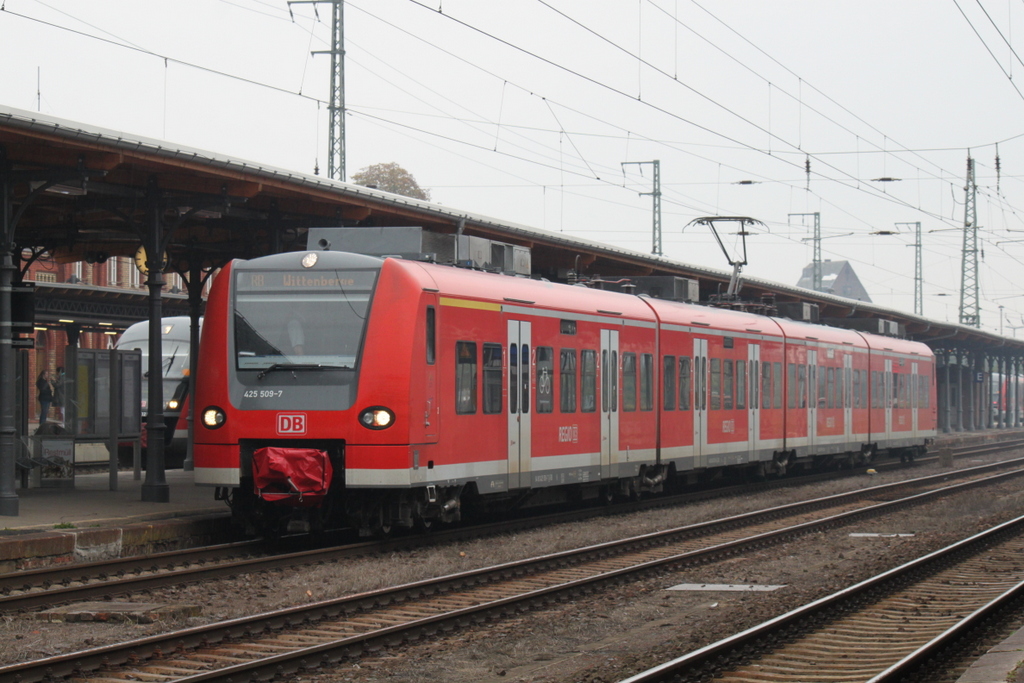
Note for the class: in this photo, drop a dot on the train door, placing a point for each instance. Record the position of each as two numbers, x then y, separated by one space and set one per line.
888 396
754 400
431 413
609 403
847 397
914 397
518 389
700 402
812 398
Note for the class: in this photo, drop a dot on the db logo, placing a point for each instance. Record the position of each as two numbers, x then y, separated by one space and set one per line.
291 424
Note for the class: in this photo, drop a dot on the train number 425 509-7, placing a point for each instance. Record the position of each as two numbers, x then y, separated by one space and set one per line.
263 393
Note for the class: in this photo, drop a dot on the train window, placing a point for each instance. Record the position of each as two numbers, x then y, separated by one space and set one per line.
716 384
831 401
605 380
567 326
847 388
629 381
465 378
588 381
766 385
777 383
525 375
668 383
492 379
821 398
431 336
646 382
741 384
755 383
545 379
567 380
700 390
684 383
513 378
801 386
727 385
875 383
791 394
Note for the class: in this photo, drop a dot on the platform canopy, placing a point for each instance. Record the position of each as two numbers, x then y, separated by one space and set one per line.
78 192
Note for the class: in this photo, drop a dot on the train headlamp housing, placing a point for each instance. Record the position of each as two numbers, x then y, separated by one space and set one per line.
377 417
213 417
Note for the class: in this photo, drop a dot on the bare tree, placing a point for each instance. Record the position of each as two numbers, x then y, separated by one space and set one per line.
390 177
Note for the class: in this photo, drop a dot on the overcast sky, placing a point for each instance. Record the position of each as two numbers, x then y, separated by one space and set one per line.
525 110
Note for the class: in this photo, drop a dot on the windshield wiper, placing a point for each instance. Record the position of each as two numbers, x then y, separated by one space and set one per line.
299 366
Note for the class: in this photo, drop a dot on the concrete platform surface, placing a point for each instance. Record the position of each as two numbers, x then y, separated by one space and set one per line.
91 502
89 522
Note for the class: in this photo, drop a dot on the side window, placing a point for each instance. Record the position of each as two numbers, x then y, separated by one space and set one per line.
791 394
525 374
777 384
606 375
588 381
741 384
545 379
629 381
727 384
431 336
567 380
513 378
668 383
754 383
646 382
465 378
831 390
801 385
766 385
716 384
684 382
823 386
492 379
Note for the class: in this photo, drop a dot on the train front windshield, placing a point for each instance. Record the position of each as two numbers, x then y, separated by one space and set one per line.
308 319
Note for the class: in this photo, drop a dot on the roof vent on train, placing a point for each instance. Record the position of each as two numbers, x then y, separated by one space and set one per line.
415 243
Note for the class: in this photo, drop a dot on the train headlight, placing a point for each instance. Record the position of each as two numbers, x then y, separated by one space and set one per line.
377 417
213 417
173 404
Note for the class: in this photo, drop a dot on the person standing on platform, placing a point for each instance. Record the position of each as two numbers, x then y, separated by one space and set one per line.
45 395
58 395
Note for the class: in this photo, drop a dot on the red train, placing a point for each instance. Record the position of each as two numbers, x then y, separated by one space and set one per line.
386 392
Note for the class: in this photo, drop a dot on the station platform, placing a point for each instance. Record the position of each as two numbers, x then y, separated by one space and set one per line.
86 522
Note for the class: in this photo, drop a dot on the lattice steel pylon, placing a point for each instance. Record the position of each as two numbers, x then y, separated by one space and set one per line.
970 312
656 206
336 107
918 268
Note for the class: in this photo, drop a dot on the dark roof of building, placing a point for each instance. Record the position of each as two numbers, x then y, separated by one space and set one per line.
84 192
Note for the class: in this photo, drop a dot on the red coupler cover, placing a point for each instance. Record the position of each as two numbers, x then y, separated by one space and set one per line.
298 476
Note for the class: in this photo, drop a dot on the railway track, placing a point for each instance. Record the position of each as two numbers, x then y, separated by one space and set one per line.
896 626
105 579
299 638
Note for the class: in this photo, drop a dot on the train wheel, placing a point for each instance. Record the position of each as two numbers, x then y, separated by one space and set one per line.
424 526
608 494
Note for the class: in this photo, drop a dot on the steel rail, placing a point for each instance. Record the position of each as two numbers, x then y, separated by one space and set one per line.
315 618
44 587
757 640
